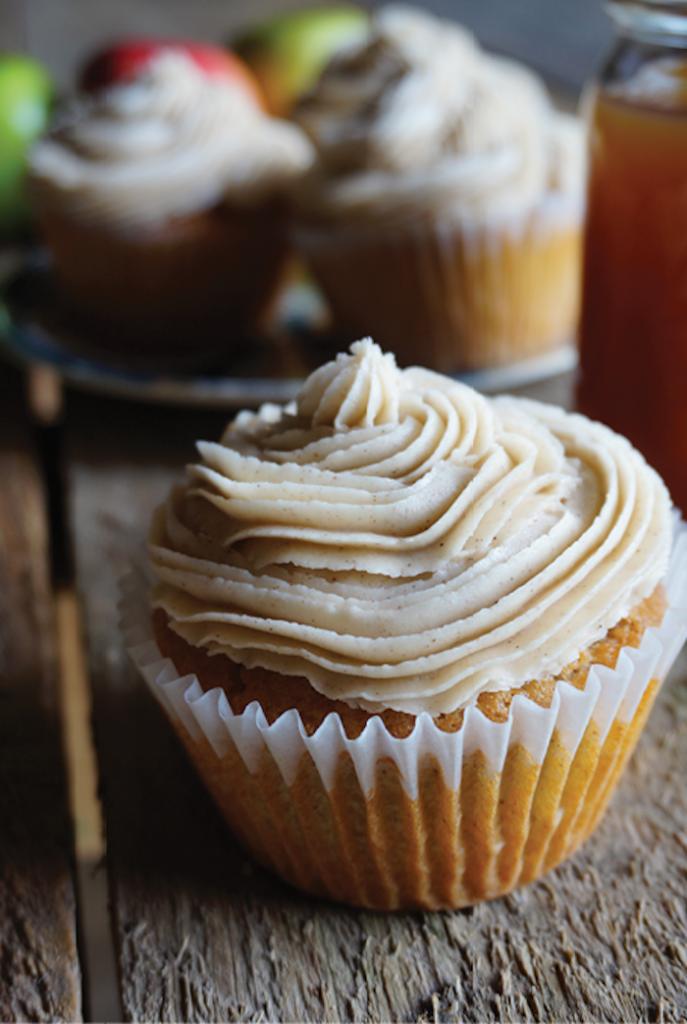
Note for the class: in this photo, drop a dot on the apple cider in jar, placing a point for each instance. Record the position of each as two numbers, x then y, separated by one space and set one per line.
633 329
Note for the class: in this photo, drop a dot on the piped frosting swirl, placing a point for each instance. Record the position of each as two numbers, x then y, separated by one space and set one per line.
172 142
404 542
418 118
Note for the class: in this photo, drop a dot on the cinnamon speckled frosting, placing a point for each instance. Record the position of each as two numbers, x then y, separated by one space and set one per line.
172 142
404 542
418 119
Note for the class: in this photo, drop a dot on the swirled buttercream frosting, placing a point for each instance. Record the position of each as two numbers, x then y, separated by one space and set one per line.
172 142
404 542
417 118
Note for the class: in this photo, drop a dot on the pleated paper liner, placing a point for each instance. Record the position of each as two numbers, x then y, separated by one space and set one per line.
478 293
435 820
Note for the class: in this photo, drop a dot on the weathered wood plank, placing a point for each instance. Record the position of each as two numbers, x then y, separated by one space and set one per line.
39 968
202 934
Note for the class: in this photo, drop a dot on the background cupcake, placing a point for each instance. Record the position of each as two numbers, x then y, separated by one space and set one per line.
160 201
443 212
414 634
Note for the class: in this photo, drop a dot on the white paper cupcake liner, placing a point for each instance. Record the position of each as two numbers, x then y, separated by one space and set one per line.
480 291
608 694
555 211
610 700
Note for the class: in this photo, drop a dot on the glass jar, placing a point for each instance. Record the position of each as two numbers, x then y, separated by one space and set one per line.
633 329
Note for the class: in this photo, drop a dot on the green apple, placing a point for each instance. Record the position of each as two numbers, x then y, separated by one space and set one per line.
287 53
26 93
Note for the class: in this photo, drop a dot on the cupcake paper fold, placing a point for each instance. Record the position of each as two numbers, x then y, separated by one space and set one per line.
481 291
432 821
610 695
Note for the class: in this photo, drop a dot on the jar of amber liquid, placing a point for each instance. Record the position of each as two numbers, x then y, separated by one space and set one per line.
633 329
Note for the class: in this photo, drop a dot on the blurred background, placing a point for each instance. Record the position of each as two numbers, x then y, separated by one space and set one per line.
563 39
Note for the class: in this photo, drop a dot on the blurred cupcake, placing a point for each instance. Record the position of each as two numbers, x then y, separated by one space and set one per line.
160 201
408 635
443 211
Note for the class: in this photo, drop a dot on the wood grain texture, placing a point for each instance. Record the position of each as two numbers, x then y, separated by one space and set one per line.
39 968
202 934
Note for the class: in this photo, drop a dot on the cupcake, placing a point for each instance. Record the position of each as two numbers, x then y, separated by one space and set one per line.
409 635
442 213
160 201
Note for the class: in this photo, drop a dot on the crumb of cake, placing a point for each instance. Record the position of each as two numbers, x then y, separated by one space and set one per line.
277 693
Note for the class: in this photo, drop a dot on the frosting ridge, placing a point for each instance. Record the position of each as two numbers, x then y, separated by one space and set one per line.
172 142
404 542
418 116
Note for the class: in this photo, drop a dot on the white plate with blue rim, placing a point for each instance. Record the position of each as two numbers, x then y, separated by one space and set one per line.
36 328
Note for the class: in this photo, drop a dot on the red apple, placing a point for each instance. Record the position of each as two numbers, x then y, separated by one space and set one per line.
125 60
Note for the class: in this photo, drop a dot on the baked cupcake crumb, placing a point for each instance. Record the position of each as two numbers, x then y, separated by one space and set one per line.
276 694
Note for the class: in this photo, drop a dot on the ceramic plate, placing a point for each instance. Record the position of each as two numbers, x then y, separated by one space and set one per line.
34 327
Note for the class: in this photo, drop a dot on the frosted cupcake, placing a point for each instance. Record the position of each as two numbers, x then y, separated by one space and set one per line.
443 212
160 200
408 635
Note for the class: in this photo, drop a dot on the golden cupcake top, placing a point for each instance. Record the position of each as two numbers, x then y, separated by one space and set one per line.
417 118
170 143
404 542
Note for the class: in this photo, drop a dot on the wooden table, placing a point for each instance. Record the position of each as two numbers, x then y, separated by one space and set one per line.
40 977
200 932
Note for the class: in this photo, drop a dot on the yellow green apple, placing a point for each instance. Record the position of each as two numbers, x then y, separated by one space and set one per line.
287 53
26 93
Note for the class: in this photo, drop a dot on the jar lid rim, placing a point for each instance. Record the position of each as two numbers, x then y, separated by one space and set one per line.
654 5
660 18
